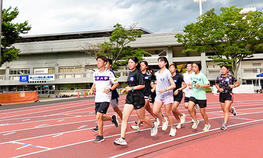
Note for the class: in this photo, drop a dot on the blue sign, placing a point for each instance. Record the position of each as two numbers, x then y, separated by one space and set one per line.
23 78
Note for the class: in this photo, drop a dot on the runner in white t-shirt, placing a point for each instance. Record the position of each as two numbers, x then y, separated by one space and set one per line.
102 82
164 95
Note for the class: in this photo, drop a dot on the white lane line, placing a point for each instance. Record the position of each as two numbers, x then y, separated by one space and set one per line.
28 145
25 120
61 120
8 133
42 125
82 126
186 136
59 147
57 135
4 124
42 111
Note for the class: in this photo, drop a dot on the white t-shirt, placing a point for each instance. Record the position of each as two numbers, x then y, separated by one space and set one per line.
103 80
187 80
163 81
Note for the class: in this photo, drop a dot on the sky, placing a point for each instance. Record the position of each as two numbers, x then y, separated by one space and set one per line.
156 16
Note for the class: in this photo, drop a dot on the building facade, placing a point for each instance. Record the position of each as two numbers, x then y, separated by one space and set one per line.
65 62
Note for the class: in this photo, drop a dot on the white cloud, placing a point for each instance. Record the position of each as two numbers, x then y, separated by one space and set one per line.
56 16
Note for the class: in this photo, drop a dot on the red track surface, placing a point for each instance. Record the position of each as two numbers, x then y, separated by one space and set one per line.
64 130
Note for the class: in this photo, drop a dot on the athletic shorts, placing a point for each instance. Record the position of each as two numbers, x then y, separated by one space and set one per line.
101 107
168 99
225 96
186 99
201 103
178 97
136 100
114 102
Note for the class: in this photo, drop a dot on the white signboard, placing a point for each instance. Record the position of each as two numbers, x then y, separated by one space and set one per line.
41 71
41 78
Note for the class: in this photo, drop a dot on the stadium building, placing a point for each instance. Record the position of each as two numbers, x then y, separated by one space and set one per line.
63 63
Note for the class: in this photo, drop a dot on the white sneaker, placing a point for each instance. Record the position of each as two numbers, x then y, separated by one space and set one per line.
206 128
192 121
195 124
179 125
154 130
172 132
182 119
234 112
158 121
120 141
165 124
135 127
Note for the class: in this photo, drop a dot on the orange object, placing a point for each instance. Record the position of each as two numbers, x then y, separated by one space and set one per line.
18 98
84 94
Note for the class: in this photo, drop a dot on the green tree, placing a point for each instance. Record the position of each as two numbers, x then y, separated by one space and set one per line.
118 48
10 33
231 36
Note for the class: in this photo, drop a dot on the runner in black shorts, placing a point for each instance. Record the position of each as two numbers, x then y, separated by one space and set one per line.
198 96
147 77
104 82
225 83
114 96
134 99
178 94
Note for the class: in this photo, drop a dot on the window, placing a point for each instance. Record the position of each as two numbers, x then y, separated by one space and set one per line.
19 71
74 69
256 64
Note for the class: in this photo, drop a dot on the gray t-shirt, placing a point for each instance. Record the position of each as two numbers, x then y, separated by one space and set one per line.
163 81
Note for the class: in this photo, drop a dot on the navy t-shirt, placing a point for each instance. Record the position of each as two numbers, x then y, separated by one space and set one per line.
114 93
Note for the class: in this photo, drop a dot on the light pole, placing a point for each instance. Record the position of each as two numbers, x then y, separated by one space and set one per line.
200 5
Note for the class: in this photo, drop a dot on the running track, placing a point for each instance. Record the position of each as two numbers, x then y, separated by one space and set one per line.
64 130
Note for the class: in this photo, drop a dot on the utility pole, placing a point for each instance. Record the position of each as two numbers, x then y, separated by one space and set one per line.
200 5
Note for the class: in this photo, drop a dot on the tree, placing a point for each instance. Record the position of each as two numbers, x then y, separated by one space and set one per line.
231 36
117 48
10 33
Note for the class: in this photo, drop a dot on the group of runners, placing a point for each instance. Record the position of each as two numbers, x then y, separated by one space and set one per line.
165 89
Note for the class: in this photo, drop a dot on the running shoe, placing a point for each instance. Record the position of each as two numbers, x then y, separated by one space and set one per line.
206 128
172 132
223 127
115 121
135 127
99 139
195 124
234 112
95 129
158 121
120 141
182 119
179 125
154 130
165 124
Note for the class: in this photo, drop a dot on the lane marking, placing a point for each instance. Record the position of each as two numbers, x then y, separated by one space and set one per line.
186 136
59 147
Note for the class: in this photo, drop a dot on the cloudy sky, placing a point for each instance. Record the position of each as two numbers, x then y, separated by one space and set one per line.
60 16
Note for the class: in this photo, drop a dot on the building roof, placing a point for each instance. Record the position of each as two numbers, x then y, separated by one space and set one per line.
71 35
